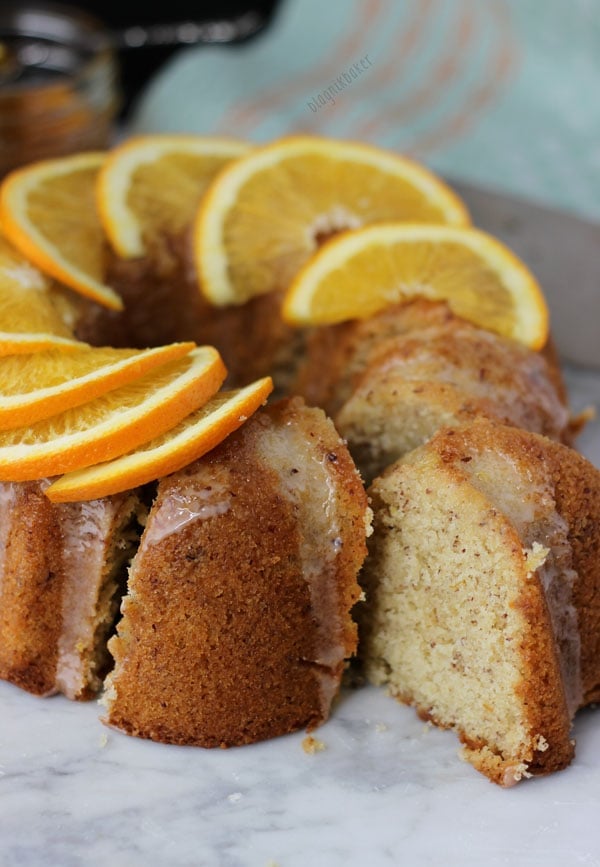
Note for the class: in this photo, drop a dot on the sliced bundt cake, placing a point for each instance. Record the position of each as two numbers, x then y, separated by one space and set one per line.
483 588
430 343
237 621
393 380
337 355
448 374
61 570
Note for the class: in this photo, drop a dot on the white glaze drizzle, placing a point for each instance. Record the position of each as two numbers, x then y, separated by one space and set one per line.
529 504
185 505
94 546
7 501
84 529
306 482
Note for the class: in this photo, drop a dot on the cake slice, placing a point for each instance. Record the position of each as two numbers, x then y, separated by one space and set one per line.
61 571
237 620
446 375
337 355
483 588
432 344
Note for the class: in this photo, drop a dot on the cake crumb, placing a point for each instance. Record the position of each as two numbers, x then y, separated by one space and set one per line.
540 743
369 516
312 745
381 727
535 556
513 774
103 740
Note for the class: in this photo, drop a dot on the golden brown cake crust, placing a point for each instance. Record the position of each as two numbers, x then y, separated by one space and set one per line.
163 304
577 492
394 380
515 381
540 690
218 641
576 488
30 589
60 568
338 354
338 357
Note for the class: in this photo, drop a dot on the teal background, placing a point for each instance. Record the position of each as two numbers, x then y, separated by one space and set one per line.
505 93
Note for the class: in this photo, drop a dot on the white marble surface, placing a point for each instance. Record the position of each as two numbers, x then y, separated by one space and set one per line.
387 789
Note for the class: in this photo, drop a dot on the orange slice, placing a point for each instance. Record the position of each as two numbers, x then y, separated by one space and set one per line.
48 211
151 186
268 212
362 272
46 383
190 439
113 424
29 317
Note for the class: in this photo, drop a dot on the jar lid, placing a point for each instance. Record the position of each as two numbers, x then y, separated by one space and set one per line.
42 42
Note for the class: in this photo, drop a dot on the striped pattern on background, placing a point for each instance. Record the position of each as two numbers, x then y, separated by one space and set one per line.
500 92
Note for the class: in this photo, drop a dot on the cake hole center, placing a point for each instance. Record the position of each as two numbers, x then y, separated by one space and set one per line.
331 223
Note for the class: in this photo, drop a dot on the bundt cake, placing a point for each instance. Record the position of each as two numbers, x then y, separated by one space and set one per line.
337 356
482 590
237 620
416 382
62 573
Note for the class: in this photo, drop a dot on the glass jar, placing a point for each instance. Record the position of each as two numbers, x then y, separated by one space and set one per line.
58 83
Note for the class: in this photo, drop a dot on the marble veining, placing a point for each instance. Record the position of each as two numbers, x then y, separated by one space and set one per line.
387 789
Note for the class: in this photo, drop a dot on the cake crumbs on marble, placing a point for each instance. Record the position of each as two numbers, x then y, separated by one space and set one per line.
312 745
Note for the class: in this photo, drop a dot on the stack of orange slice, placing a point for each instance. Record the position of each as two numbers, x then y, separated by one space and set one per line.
63 412
190 439
42 384
113 423
162 405
267 213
